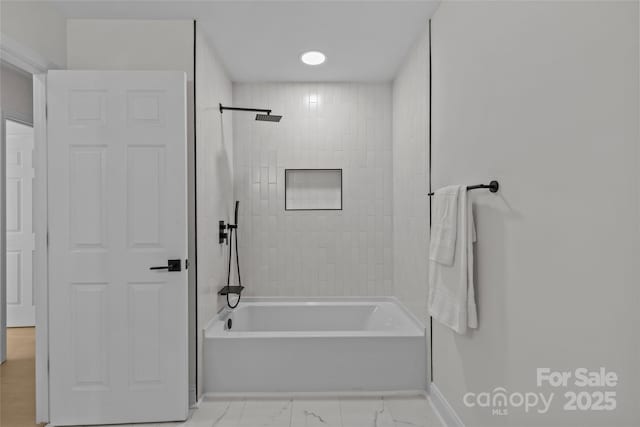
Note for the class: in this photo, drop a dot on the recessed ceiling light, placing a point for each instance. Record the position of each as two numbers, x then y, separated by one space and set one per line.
313 57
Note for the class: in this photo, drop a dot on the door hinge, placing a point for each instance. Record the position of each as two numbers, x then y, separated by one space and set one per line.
46 111
186 264
47 238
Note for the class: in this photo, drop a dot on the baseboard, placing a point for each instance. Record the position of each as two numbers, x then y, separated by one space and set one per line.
443 408
314 394
197 403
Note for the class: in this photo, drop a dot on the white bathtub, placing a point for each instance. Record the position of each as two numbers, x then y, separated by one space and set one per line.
294 345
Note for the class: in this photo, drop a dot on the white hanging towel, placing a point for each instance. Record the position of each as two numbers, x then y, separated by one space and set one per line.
451 289
444 225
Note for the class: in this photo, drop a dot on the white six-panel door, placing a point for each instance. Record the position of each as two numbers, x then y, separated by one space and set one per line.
117 194
19 223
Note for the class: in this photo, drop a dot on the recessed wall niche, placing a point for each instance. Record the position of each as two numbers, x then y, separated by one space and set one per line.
312 189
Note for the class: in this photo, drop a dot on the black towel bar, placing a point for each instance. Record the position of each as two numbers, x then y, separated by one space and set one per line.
493 186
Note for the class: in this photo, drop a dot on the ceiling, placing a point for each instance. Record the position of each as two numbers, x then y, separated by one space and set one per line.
262 40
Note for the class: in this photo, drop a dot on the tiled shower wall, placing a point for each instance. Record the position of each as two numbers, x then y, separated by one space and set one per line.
315 253
411 178
411 182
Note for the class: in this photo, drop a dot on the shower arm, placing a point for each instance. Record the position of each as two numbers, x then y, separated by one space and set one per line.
256 110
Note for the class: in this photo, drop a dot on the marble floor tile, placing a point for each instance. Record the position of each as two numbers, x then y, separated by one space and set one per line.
266 413
217 413
316 413
365 412
167 424
397 411
412 412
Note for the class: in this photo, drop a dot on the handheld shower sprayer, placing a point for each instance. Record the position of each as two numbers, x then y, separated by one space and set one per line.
223 235
235 216
233 226
228 237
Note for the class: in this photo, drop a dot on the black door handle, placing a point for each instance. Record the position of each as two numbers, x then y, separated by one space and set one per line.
172 265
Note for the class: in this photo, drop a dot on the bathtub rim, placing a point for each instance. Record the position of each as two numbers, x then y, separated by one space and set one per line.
224 311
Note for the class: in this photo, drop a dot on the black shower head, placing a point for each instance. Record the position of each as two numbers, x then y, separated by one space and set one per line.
268 118
264 115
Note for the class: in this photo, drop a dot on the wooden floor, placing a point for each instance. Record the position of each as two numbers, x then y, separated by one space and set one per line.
18 380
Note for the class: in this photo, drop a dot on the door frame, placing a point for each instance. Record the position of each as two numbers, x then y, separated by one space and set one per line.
31 62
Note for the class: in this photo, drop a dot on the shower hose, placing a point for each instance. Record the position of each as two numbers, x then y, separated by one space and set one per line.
231 230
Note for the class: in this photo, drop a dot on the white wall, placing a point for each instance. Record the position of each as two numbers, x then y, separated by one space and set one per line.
315 253
544 97
37 26
16 94
112 44
168 45
214 133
